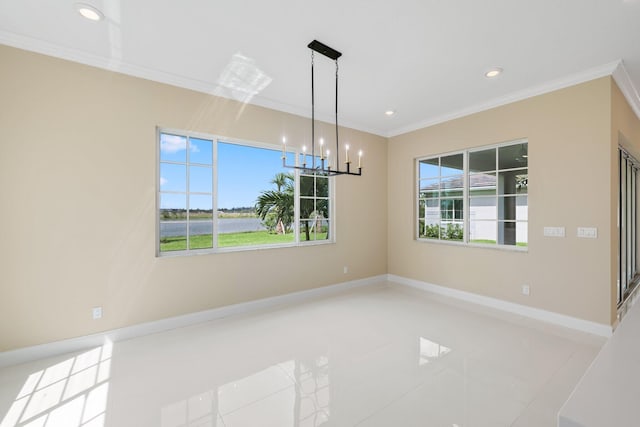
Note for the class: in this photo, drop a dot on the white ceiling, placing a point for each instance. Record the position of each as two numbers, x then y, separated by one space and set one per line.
425 59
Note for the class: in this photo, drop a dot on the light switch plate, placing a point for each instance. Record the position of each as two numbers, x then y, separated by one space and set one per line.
554 231
588 232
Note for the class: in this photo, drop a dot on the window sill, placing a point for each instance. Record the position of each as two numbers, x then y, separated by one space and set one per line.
232 249
507 248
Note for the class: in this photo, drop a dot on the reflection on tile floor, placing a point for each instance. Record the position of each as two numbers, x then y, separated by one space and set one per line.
381 356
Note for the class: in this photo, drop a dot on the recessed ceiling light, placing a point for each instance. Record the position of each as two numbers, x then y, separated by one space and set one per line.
494 72
89 12
389 112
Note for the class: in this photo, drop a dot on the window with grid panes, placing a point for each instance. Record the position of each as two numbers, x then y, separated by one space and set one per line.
479 196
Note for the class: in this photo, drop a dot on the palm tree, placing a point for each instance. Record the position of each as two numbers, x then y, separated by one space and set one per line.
280 202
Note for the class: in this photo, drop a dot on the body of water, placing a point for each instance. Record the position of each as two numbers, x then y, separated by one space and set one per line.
225 225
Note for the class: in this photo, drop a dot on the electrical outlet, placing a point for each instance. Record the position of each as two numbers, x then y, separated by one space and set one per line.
526 290
96 312
345 270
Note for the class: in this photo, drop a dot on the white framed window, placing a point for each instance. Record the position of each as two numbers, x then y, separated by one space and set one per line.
628 168
478 196
216 194
440 197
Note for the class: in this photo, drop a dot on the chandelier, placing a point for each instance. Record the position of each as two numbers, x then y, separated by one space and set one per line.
324 164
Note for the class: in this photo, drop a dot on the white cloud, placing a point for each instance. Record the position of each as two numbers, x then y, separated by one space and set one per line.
194 148
163 181
172 143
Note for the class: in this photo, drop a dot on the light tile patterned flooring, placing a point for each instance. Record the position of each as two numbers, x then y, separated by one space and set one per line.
377 356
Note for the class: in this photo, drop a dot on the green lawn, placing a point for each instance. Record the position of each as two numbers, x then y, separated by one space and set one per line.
251 238
225 240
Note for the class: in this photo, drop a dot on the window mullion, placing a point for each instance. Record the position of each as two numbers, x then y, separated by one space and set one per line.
296 205
214 195
465 198
188 201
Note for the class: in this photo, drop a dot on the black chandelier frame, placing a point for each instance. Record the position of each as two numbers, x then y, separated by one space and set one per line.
322 168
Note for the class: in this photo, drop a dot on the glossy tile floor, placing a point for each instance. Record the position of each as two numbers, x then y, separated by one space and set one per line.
379 356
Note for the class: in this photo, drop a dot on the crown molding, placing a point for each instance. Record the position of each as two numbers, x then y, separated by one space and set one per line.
119 66
615 69
630 92
561 83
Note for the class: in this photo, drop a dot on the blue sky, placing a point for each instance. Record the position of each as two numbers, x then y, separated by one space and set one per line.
243 172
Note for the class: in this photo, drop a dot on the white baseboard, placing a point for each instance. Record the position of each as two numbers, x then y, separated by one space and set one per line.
27 354
523 310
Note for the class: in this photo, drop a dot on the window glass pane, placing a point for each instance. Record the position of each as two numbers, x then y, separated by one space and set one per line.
522 234
451 193
522 182
200 234
306 185
481 161
201 151
451 165
512 182
429 168
314 229
506 233
322 208
429 211
173 226
431 230
307 206
507 208
173 207
432 213
482 208
451 209
483 232
200 179
173 236
513 156
200 207
173 177
451 231
454 182
173 148
429 188
322 186
482 184
452 186
256 202
421 228
522 208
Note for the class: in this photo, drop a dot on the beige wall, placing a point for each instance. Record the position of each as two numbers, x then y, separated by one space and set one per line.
77 170
569 177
